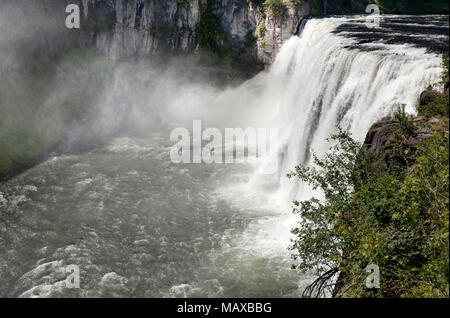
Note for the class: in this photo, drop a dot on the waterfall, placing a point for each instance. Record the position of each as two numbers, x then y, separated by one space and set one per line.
194 230
322 79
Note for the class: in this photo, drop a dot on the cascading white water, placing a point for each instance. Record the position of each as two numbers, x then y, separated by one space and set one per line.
320 82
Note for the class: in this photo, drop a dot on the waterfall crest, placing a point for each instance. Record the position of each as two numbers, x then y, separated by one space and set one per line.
323 79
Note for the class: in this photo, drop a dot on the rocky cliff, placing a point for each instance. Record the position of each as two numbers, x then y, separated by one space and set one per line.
144 28
408 131
148 28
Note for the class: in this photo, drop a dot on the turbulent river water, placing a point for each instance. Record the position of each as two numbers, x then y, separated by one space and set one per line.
138 225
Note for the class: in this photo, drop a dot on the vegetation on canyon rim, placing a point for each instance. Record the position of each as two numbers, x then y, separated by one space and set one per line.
389 208
318 7
386 6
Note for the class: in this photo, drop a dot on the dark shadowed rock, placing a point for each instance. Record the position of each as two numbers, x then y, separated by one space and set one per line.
428 96
382 137
378 135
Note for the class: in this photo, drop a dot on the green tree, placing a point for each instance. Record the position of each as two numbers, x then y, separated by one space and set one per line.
370 215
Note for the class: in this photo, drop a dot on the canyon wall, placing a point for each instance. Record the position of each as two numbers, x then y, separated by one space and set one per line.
144 28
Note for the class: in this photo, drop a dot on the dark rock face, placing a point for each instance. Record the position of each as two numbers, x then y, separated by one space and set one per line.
378 135
428 96
381 138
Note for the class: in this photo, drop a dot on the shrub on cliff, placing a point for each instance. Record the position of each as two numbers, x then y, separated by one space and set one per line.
386 6
210 32
256 3
438 104
275 7
435 108
396 220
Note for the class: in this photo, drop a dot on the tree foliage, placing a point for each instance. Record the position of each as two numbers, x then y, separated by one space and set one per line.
275 7
386 6
398 221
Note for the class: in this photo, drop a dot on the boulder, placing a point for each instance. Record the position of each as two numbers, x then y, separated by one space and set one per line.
378 135
381 138
428 96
